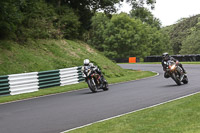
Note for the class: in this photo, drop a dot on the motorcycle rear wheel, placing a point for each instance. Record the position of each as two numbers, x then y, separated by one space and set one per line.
105 87
185 80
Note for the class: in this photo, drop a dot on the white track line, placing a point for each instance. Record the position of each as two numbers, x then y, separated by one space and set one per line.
129 112
75 90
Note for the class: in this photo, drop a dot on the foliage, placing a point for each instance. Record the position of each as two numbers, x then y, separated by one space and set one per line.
146 16
99 22
41 19
68 22
191 45
36 19
182 33
123 36
10 17
141 3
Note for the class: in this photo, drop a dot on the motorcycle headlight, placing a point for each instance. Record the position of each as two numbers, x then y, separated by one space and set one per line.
172 67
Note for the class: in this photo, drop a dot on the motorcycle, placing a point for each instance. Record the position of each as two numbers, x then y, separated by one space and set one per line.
94 80
176 72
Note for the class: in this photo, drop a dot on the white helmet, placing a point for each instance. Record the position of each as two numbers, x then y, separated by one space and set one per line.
86 62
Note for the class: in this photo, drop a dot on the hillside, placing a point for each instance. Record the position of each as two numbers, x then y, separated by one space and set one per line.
184 35
41 55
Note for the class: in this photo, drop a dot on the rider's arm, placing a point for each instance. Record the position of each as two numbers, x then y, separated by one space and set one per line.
82 70
175 60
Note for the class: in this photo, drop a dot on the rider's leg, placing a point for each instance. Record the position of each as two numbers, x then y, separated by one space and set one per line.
166 75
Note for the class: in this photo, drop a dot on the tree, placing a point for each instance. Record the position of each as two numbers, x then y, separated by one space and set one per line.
10 17
181 30
146 16
68 22
99 22
124 37
140 3
191 45
85 9
160 42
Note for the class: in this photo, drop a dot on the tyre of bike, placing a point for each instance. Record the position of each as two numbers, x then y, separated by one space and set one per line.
92 85
105 86
176 79
185 80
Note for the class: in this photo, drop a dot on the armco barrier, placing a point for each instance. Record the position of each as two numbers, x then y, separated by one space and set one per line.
124 60
70 76
29 82
178 57
49 79
4 86
23 83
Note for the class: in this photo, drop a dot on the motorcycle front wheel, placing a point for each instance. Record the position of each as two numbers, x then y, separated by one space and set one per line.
92 85
176 79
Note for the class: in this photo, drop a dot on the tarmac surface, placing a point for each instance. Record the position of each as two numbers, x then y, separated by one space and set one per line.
61 112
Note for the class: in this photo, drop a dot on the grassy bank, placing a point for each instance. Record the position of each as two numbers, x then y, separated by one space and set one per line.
41 55
181 116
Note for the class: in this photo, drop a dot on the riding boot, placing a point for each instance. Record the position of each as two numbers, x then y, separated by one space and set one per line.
184 70
103 79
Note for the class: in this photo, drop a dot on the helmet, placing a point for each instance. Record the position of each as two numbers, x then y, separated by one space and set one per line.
165 56
86 62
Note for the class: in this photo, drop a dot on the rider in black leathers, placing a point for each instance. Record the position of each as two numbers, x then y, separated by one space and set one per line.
165 58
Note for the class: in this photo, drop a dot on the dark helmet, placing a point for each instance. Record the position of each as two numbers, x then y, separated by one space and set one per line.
165 56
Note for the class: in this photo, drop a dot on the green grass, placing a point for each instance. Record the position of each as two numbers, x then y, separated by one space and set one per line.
191 62
41 55
180 116
131 75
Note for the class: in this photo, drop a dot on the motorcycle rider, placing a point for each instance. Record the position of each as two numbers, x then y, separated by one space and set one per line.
165 58
87 64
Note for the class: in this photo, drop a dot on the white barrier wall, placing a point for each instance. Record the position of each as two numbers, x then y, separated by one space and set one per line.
23 83
30 82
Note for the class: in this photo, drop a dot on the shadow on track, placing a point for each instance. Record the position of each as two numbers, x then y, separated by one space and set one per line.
174 85
89 92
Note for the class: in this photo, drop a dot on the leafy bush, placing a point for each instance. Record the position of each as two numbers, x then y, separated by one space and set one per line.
68 22
123 36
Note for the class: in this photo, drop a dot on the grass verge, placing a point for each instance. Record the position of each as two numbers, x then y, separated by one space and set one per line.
180 116
128 75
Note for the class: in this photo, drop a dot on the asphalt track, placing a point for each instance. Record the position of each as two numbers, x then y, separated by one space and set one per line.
57 113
